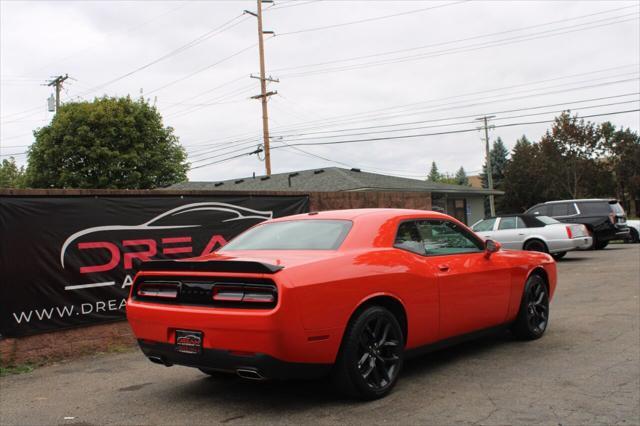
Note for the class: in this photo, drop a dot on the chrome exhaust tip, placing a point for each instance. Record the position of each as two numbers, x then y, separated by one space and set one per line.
248 374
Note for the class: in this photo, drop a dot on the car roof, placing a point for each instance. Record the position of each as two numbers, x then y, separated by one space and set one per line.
352 214
581 200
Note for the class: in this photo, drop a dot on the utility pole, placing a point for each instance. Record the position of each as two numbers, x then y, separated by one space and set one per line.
264 95
57 82
485 119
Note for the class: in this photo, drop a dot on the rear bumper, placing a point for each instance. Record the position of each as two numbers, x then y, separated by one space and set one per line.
578 243
266 366
275 334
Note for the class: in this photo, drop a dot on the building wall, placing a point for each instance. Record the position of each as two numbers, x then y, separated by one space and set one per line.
475 209
103 337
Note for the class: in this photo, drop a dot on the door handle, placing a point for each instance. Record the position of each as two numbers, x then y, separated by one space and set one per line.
443 267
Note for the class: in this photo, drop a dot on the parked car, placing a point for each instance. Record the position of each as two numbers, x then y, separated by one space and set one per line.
348 293
604 218
534 233
634 231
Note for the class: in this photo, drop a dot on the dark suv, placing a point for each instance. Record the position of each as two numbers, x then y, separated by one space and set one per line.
605 219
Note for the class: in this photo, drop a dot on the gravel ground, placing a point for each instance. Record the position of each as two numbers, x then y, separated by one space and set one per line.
586 370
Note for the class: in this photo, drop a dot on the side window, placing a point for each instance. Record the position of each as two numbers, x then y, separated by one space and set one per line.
560 209
520 223
507 223
485 225
408 238
542 211
444 237
571 209
595 209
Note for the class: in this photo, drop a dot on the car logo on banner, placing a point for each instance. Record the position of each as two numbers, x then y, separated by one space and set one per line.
113 247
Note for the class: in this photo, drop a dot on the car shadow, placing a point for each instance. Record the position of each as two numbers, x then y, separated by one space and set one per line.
572 259
295 396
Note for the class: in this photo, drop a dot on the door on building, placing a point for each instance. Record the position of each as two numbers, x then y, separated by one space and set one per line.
457 207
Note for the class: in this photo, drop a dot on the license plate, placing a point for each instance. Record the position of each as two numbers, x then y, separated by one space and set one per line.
189 342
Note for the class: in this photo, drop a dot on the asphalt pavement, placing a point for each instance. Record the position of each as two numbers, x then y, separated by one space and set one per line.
585 370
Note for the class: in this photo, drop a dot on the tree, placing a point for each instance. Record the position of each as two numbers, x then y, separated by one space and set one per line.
622 148
107 143
498 154
522 184
461 177
571 149
10 175
434 174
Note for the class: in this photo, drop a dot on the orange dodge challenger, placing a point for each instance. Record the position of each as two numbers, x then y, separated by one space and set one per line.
349 293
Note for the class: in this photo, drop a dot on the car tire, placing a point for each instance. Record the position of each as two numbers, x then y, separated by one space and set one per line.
600 245
559 255
218 375
533 316
634 237
371 355
536 245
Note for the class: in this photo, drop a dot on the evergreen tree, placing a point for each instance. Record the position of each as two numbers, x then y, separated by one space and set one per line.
461 177
434 174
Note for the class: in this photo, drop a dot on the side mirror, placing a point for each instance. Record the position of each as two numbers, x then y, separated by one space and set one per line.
490 247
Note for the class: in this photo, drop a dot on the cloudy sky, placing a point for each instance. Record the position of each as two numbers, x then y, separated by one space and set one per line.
348 70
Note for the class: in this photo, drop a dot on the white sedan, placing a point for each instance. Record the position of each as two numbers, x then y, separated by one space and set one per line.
634 228
535 233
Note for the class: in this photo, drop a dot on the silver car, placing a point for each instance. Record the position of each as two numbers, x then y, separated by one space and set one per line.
535 233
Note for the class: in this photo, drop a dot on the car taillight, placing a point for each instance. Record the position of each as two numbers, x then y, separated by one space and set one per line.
164 290
569 233
612 217
243 294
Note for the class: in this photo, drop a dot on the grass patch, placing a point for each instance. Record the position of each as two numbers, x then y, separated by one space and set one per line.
16 369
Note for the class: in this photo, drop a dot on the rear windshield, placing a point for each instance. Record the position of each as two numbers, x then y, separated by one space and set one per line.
484 225
292 235
547 220
617 209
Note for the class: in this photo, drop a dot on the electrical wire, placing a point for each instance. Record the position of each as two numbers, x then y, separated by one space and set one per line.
453 41
372 19
461 49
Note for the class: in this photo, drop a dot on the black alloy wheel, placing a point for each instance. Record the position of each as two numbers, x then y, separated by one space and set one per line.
371 355
533 317
536 245
379 352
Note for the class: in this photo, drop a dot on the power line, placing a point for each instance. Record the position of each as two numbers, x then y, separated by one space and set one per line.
362 116
456 40
372 19
462 116
410 136
453 118
458 105
446 133
462 49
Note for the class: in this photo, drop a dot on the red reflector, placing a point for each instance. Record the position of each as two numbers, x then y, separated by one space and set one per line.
155 289
569 233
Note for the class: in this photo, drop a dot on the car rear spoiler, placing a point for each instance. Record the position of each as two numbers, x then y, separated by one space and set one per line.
210 266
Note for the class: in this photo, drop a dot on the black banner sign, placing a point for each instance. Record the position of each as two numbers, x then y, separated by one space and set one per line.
66 261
